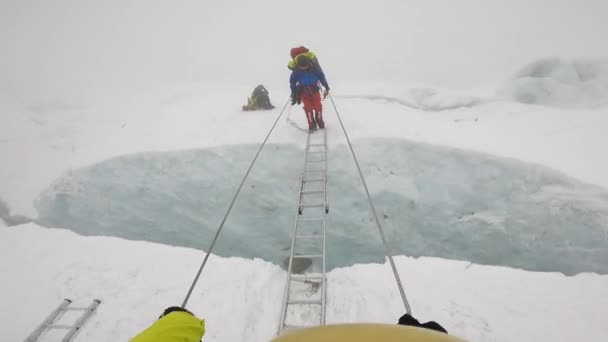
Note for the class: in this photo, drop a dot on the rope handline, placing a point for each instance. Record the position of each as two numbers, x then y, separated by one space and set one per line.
387 249
217 233
293 123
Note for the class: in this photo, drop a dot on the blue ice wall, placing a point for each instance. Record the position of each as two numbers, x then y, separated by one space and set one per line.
434 201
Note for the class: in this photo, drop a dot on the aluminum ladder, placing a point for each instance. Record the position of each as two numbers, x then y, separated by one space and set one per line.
51 321
304 298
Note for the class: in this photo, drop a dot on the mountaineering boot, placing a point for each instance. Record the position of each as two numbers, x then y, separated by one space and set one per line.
312 128
319 119
312 125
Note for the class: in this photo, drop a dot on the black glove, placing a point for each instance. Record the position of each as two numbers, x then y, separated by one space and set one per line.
173 309
294 98
411 321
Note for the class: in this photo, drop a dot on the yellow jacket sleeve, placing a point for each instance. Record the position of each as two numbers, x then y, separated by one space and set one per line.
175 327
311 56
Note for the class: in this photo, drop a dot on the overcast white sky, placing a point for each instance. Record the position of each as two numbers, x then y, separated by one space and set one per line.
48 46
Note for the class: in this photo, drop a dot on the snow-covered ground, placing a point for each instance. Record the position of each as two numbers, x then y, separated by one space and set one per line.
81 83
240 299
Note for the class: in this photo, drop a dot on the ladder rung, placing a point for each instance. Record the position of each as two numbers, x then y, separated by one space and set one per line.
316 160
315 170
75 309
316 151
310 220
291 326
313 180
312 192
305 301
62 326
305 277
315 205
308 256
311 236
316 145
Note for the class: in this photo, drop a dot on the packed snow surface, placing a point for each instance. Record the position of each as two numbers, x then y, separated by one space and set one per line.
240 299
480 127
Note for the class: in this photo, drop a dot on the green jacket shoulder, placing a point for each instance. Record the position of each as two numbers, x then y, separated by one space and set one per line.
310 55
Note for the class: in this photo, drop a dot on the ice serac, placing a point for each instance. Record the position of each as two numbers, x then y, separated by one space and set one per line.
561 83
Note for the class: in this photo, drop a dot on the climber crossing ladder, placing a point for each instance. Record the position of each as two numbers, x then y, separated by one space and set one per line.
316 277
304 297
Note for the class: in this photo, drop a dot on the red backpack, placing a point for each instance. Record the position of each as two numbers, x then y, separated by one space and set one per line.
297 50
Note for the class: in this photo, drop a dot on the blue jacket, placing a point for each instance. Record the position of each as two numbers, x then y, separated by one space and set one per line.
308 77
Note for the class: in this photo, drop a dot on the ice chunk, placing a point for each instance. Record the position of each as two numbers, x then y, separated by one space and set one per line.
562 83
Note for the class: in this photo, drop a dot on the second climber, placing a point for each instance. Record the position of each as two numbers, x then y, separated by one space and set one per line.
305 82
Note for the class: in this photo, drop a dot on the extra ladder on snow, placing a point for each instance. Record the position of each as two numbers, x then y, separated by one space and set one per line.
305 289
51 321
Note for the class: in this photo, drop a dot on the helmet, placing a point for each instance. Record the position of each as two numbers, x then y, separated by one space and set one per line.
302 61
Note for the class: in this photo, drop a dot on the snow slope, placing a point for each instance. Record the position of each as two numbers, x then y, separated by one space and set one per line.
240 299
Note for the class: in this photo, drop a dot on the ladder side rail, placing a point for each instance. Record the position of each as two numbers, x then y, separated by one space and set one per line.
61 326
289 270
287 300
293 242
301 195
326 209
324 278
48 321
326 167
